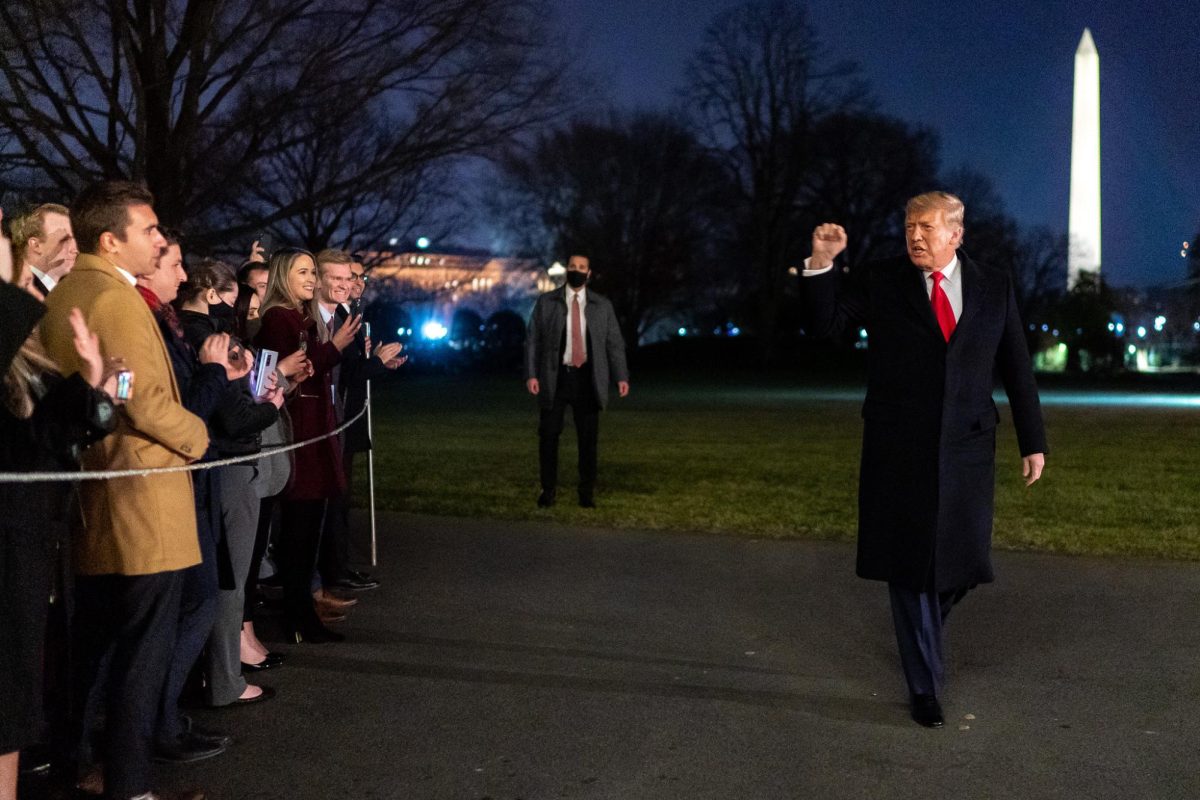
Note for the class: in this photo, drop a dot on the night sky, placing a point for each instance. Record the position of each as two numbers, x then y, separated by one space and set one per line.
994 79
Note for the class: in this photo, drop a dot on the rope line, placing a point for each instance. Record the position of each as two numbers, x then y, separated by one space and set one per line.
104 475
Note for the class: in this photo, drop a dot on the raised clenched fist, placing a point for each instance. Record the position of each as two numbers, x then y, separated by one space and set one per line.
828 240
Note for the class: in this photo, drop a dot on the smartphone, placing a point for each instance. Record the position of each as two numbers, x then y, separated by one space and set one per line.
356 308
235 350
264 365
303 342
264 241
124 384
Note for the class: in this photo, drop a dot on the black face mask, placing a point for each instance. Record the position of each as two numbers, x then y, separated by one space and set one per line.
221 311
576 279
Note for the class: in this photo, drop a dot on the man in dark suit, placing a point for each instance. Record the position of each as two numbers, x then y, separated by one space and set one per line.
573 347
940 328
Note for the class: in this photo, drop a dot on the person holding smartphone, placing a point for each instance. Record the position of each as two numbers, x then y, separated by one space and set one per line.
287 321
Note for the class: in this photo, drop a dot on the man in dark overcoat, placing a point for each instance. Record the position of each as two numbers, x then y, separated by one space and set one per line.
573 349
941 328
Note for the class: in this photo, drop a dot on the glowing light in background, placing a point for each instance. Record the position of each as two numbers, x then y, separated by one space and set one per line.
434 330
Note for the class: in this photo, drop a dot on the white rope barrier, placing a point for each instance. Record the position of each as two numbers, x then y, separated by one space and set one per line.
104 475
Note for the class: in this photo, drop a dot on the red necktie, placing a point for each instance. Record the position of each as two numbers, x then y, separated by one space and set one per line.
577 349
941 306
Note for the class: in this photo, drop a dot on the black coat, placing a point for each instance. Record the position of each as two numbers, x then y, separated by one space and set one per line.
356 369
36 517
927 477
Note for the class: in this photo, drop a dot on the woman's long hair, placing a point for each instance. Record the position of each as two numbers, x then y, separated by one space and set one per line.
23 383
279 293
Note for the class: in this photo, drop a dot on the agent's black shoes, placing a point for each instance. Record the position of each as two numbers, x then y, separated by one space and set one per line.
546 498
927 711
356 581
187 748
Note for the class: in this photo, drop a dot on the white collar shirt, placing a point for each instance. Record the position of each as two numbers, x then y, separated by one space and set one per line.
951 285
46 280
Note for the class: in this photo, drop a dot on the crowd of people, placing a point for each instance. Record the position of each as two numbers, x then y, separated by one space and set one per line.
123 597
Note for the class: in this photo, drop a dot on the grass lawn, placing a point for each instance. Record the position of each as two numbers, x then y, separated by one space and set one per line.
772 458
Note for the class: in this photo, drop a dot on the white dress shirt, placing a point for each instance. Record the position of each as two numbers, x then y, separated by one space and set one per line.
46 280
571 295
951 282
129 276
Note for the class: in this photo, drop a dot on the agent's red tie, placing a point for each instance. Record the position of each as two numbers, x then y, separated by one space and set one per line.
941 306
578 353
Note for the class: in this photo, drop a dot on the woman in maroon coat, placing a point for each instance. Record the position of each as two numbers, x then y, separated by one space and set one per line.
317 475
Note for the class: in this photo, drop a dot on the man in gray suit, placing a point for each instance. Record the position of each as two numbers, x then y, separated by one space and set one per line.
572 349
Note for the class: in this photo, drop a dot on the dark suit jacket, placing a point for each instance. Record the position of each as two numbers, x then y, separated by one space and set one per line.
41 287
546 334
357 369
929 438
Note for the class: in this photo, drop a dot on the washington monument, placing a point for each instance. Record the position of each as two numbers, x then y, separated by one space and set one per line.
1084 215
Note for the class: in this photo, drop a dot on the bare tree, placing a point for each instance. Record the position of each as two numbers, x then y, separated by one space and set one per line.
865 168
639 195
757 86
209 101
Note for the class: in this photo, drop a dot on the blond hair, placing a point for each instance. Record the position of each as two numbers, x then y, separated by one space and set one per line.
32 225
331 256
948 204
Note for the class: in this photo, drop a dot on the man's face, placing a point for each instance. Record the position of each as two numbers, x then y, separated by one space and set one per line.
578 264
358 280
138 250
335 283
257 280
167 275
55 249
931 241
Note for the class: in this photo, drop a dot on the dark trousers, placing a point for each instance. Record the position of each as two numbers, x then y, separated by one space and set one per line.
575 389
126 628
266 514
919 617
335 536
299 542
197 607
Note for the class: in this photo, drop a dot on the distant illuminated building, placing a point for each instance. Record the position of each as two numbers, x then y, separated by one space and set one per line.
446 281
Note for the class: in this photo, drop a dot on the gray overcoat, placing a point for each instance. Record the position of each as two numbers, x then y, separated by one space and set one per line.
545 342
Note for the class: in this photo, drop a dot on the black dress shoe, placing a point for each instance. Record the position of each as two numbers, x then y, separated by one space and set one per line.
265 664
586 500
206 734
314 633
546 498
362 576
185 749
927 711
268 693
356 584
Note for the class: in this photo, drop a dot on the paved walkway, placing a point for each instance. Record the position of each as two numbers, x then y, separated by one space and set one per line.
527 660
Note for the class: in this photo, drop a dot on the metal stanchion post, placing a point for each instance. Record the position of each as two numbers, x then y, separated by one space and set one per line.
371 479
